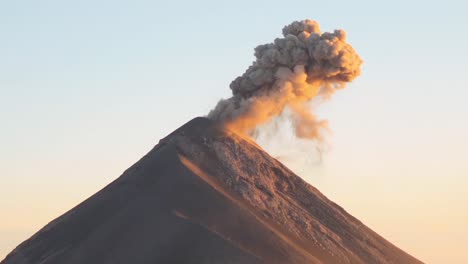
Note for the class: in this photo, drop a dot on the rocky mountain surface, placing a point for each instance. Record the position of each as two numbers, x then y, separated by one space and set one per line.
207 195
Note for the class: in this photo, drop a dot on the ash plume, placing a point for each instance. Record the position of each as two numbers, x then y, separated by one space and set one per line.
289 73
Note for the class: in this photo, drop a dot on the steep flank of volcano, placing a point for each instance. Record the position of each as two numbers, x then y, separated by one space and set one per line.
206 195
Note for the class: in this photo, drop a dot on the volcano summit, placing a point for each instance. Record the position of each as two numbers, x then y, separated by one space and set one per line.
204 194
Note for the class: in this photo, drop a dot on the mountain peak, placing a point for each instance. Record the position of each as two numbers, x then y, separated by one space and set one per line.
207 195
197 125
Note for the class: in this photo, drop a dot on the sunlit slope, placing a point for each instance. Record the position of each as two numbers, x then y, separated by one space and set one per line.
207 195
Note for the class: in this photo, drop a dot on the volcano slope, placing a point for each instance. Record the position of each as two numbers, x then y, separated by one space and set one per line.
207 195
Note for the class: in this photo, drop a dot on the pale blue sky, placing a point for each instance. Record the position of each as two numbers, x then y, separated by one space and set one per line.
88 87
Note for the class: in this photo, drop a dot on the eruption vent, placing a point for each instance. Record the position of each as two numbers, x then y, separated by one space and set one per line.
290 72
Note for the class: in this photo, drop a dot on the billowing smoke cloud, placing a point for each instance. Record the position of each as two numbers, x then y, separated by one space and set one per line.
288 73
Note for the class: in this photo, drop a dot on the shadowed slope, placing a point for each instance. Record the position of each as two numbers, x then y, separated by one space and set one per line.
206 195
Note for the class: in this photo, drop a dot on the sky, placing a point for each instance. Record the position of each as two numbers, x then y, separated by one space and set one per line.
88 87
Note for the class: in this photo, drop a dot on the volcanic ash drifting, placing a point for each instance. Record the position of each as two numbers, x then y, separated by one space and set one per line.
289 73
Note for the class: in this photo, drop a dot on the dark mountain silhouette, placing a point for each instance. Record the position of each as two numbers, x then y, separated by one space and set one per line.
207 195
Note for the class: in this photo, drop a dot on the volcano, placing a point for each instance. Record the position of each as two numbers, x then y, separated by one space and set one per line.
205 194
